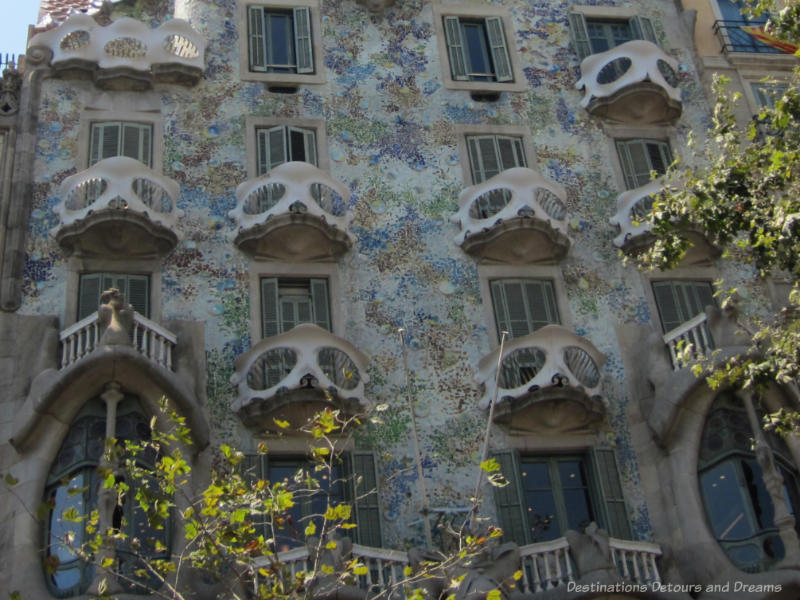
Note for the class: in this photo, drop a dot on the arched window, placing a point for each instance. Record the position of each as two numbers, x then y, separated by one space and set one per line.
737 503
74 485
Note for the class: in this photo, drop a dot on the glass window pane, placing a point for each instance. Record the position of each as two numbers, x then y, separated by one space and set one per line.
728 515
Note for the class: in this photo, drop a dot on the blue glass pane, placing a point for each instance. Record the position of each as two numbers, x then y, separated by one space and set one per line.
725 506
280 39
477 50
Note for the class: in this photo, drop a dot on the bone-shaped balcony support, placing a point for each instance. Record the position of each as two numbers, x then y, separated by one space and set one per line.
632 209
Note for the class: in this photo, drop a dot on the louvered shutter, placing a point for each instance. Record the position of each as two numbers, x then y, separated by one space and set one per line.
304 46
511 152
136 142
475 162
579 35
497 44
319 299
310 145
541 302
455 48
105 141
611 497
302 145
257 46
138 294
269 307
365 499
667 303
642 29
637 161
89 294
508 500
252 468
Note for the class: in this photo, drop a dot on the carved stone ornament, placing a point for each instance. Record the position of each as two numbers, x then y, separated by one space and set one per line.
116 318
591 552
10 86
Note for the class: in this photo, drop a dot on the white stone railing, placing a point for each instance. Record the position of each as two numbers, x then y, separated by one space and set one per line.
546 565
119 183
633 207
645 62
635 561
124 43
292 187
306 355
694 333
148 337
550 356
512 193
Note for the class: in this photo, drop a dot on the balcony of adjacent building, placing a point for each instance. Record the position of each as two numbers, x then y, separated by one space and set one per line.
635 82
516 217
118 207
294 375
125 55
548 381
294 212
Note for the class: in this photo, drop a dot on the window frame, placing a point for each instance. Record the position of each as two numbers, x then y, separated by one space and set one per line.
91 116
467 13
517 131
641 27
290 79
115 275
695 283
253 124
622 147
285 283
531 321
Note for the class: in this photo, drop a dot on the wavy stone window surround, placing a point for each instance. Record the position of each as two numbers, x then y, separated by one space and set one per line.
514 199
174 52
624 68
294 194
552 363
302 358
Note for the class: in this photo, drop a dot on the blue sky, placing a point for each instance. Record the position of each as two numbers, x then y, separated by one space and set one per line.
14 21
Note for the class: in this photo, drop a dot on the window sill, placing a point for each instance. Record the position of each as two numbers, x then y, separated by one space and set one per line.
487 87
283 79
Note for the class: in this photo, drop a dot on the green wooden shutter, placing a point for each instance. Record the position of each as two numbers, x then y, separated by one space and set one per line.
455 49
105 141
541 300
304 46
667 304
497 44
511 152
626 162
642 29
365 499
579 34
89 294
319 300
269 307
136 142
611 497
138 294
508 500
271 148
308 142
257 46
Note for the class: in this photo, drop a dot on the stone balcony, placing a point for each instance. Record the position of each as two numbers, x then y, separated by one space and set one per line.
118 207
516 217
294 212
633 208
125 55
635 82
294 375
549 381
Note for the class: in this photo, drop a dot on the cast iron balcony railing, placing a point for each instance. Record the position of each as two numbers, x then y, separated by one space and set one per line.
733 38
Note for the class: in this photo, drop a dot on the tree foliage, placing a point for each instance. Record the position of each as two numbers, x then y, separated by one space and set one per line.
745 198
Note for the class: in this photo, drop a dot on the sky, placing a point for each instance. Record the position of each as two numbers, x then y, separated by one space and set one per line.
14 20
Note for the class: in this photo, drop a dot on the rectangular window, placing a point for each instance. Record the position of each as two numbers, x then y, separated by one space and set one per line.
491 154
281 144
592 35
477 49
134 288
121 138
547 495
287 302
767 94
680 301
280 40
352 480
638 158
521 306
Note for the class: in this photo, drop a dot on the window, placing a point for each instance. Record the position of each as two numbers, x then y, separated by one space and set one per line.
521 306
732 36
281 144
592 35
737 503
121 138
287 302
135 289
766 94
73 483
638 158
352 479
547 495
491 154
681 301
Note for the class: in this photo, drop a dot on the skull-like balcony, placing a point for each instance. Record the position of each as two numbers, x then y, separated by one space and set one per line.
635 82
549 381
516 217
294 375
633 209
294 212
125 55
118 207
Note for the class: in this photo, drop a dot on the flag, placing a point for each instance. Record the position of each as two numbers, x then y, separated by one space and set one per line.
758 32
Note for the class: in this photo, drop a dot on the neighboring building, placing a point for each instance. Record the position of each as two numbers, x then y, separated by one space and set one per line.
278 186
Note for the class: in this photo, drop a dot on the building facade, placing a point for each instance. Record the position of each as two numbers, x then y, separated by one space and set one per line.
341 203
